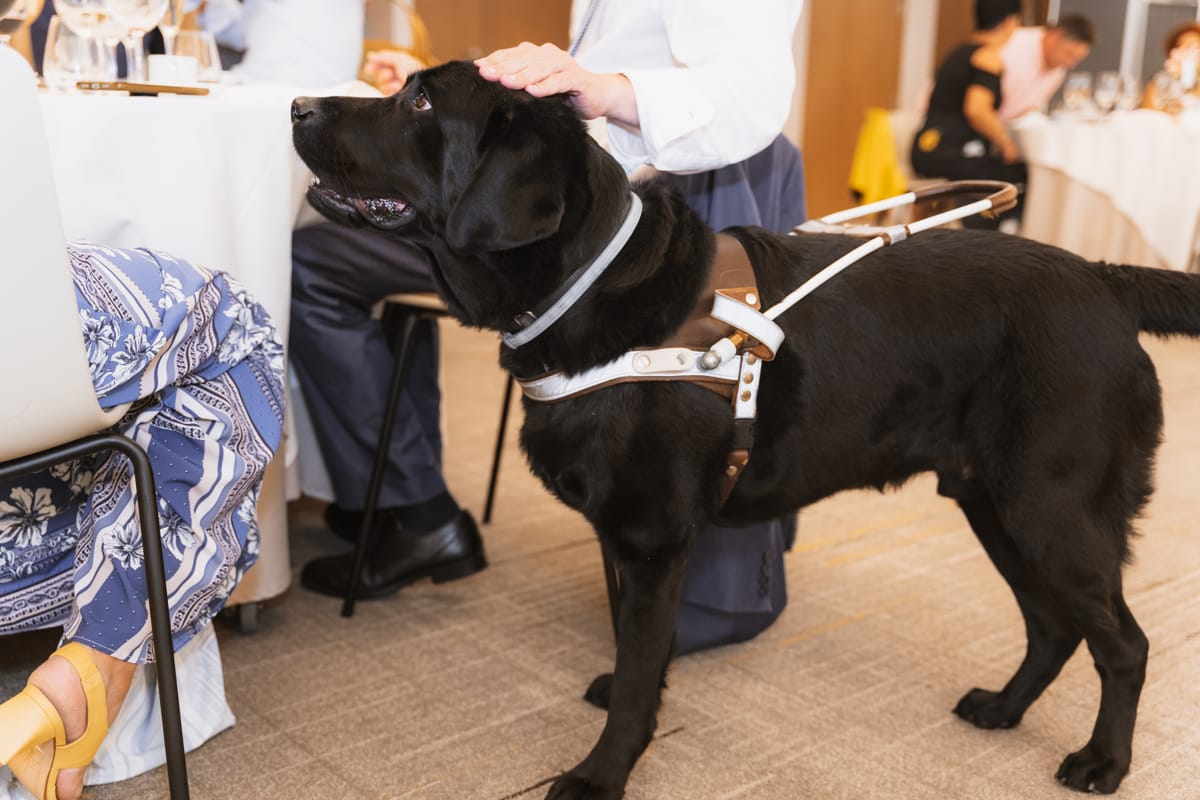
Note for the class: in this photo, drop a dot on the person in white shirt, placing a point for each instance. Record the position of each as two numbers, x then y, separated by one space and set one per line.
310 43
699 90
1036 61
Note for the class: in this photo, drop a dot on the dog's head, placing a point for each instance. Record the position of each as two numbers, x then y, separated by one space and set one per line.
452 156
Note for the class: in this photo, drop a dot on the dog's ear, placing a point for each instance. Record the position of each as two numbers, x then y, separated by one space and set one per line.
512 199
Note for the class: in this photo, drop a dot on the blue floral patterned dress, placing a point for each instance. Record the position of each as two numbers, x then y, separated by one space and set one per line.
203 367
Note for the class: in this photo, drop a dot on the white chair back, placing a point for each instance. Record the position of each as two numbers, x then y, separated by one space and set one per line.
46 397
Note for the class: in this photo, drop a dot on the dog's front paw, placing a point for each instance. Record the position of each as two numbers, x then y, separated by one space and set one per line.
986 709
1089 770
571 786
600 692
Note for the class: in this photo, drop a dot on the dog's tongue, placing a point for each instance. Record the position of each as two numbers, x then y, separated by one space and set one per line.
383 212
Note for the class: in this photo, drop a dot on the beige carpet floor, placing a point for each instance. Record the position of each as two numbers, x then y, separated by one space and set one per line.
472 690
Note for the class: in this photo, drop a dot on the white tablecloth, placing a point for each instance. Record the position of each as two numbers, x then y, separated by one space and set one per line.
1126 188
212 179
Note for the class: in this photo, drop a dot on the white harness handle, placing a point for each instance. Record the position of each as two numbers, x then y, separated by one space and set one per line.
749 323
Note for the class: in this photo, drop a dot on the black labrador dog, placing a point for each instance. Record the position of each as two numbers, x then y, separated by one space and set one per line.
1010 369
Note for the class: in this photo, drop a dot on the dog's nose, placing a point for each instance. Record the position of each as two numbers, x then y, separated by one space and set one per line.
302 107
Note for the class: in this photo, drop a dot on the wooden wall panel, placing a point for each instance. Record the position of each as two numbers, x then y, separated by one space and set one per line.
853 64
471 28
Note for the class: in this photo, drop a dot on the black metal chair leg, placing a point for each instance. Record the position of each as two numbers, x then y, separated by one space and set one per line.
156 583
399 373
491 491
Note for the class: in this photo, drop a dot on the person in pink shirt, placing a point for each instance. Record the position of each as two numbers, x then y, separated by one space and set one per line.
1036 61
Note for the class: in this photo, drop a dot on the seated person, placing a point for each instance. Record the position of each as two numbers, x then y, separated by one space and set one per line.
1036 61
1178 83
963 137
203 367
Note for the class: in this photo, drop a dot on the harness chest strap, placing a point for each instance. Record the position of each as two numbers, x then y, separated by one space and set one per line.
678 359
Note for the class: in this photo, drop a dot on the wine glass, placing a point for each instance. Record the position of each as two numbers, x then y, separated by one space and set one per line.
201 46
170 23
1077 92
138 17
82 16
13 14
1107 90
71 56
1130 96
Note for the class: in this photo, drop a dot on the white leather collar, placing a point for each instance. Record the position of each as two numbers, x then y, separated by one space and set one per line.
537 325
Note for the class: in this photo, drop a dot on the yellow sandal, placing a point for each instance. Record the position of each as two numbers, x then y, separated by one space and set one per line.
33 742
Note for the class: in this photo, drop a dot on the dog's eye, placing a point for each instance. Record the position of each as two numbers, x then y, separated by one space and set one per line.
421 102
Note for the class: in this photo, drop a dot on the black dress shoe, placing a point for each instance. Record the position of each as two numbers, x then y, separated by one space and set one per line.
346 524
399 557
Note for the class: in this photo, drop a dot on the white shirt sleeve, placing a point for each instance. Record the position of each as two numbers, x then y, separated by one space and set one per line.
307 43
727 97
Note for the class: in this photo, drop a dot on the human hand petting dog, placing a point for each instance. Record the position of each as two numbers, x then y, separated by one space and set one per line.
543 70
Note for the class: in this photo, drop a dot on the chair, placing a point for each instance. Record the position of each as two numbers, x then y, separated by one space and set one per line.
48 409
402 312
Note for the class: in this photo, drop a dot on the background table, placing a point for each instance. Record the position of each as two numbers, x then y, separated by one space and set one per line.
1123 189
212 179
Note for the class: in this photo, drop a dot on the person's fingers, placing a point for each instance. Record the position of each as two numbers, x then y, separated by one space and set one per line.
554 83
520 66
506 61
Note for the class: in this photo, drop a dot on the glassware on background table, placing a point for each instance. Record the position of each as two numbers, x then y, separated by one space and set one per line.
138 17
1130 95
1106 91
85 17
203 47
169 25
12 16
70 57
1077 92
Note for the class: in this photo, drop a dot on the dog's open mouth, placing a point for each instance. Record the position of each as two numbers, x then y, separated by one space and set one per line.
387 213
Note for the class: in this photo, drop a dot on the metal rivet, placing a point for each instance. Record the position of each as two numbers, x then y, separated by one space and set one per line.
750 359
748 379
643 361
751 299
679 358
731 470
746 397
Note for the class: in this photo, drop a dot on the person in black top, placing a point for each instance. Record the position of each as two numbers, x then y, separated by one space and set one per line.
963 137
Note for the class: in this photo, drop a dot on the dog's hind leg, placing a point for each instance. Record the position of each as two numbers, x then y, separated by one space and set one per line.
650 591
1051 638
1119 648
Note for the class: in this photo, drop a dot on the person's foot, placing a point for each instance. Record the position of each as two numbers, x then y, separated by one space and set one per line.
59 681
399 557
346 524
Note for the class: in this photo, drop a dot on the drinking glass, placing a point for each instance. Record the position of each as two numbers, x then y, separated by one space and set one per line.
1077 92
201 46
1130 96
70 56
169 25
138 17
13 14
1108 89
82 16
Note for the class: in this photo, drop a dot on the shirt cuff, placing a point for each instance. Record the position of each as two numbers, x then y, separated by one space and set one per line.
670 107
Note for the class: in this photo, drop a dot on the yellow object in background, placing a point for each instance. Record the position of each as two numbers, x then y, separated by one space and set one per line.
874 172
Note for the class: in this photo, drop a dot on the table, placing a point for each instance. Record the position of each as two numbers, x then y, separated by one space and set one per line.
212 179
1122 189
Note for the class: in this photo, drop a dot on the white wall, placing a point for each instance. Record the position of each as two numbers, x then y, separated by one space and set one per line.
917 52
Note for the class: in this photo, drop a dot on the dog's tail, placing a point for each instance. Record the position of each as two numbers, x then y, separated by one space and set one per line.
1166 301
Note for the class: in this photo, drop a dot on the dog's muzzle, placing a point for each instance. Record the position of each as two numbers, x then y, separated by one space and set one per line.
386 213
